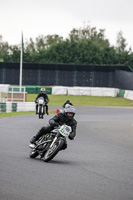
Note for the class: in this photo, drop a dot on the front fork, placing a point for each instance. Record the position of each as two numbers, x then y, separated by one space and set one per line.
54 141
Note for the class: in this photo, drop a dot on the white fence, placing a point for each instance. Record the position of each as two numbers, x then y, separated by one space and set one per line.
12 93
128 94
59 90
26 106
89 91
17 107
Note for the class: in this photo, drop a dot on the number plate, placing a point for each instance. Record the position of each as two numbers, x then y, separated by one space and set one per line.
65 130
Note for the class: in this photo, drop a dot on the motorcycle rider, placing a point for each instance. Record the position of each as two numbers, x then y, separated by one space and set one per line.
61 118
65 105
67 102
46 99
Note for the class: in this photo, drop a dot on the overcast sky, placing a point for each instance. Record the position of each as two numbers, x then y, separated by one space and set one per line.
47 17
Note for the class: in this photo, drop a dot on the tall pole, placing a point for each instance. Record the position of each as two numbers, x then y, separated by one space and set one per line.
21 64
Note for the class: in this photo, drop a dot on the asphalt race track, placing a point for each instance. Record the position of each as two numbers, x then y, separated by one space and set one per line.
97 165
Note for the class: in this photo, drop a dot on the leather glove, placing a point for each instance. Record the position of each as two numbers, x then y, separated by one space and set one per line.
70 138
55 124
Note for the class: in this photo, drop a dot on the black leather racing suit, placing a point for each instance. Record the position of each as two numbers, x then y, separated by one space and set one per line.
59 119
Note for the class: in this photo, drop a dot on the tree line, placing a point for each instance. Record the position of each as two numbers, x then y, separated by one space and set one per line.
83 46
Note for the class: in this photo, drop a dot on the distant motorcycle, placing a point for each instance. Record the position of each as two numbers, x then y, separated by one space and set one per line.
41 107
50 144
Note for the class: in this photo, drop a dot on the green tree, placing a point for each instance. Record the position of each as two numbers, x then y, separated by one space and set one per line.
4 50
85 45
121 42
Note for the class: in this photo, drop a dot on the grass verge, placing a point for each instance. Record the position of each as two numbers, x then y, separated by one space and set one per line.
21 113
58 100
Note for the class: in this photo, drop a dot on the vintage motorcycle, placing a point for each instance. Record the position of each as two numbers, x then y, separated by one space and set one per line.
50 144
41 107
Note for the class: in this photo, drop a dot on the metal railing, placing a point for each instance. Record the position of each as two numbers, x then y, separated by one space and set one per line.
14 94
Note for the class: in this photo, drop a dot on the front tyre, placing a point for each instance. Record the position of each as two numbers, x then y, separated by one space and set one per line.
40 112
51 152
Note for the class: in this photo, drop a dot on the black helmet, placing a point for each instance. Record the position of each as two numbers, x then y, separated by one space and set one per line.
68 101
70 110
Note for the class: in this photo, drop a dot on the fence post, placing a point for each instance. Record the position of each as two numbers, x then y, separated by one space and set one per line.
2 107
14 107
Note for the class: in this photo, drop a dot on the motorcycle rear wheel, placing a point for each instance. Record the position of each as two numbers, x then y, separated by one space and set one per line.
52 152
33 154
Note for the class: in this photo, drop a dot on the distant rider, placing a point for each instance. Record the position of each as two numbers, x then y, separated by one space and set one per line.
46 99
61 118
67 102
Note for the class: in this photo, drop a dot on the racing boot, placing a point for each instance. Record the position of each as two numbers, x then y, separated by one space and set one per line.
37 109
38 135
33 140
47 110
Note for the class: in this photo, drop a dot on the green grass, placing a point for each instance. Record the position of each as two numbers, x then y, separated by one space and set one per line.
58 100
22 113
16 113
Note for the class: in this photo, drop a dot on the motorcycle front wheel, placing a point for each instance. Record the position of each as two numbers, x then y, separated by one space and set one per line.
52 152
40 112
